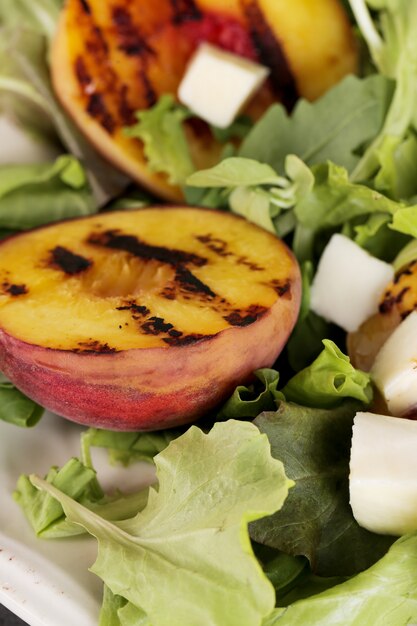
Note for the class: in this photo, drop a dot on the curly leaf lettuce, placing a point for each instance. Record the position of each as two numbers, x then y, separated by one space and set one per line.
32 195
328 381
191 541
165 143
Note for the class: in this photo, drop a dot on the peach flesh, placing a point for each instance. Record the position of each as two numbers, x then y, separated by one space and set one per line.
148 389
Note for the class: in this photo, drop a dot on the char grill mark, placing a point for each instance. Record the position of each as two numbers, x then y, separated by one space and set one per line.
14 290
185 11
70 263
191 283
247 316
271 54
186 340
97 108
221 248
106 98
390 301
131 40
85 7
178 259
92 346
83 77
129 243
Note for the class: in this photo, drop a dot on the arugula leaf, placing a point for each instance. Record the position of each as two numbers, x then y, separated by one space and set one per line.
165 143
328 381
17 409
316 520
190 542
334 200
384 595
332 128
32 195
234 172
392 44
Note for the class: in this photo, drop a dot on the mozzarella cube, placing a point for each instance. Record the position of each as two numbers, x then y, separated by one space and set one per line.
217 84
394 371
348 284
383 473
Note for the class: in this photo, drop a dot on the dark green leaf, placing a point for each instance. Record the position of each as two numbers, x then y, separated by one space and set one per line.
316 520
16 408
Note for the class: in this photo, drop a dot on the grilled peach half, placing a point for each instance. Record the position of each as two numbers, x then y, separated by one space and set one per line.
143 319
398 300
112 58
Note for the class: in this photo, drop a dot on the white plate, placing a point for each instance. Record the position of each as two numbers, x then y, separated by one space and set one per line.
47 582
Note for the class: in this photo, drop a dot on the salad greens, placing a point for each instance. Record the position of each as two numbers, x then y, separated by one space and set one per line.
225 537
198 523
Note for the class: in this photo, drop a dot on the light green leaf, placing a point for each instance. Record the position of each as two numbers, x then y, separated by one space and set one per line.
384 595
165 143
235 172
191 543
254 205
331 128
32 195
335 200
328 381
17 409
405 221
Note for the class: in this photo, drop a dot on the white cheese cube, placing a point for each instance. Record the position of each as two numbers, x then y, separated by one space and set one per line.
217 84
348 284
383 473
394 371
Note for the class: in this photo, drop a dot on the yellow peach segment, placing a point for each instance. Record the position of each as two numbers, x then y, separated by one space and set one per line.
112 58
143 319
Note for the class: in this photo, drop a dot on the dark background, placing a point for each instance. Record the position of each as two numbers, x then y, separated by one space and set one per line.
8 619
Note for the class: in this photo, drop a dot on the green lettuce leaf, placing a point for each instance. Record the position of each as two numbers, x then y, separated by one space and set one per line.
165 143
32 195
328 381
405 221
26 90
316 520
17 409
79 481
248 402
39 15
117 611
384 595
332 128
190 542
126 448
